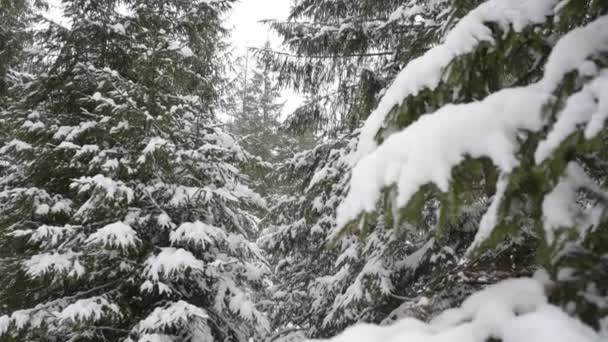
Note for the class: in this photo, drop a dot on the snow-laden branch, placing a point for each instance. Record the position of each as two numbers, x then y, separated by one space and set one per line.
412 157
515 310
427 70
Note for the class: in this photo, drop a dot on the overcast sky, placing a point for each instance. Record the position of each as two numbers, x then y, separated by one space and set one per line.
245 16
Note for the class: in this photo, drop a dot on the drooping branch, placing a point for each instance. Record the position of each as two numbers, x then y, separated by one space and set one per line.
287 54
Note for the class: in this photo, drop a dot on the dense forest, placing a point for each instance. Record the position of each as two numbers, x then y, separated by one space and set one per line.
444 178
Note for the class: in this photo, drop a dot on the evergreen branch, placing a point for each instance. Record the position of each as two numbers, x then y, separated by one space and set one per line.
283 333
291 55
110 329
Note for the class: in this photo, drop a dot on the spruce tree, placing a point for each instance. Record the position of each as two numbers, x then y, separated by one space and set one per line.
436 249
126 218
362 278
504 111
13 18
258 107
341 54
327 279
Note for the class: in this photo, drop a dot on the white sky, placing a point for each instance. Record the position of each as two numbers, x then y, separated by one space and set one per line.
244 21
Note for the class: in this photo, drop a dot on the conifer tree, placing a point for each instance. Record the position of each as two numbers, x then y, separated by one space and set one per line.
430 253
361 279
12 35
341 54
518 121
15 15
126 218
256 114
327 281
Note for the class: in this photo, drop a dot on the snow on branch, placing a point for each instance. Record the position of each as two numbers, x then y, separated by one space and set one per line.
90 309
156 338
16 145
239 303
42 264
47 236
171 261
172 316
5 322
110 187
198 233
587 107
410 158
70 133
427 70
514 310
153 145
560 209
115 235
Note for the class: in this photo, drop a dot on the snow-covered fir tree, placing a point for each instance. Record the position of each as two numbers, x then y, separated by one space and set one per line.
361 278
438 247
342 53
257 105
295 248
13 18
127 218
509 107
327 281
